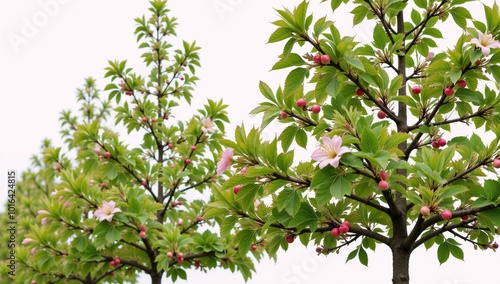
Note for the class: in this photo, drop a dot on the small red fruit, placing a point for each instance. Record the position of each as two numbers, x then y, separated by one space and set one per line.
113 263
143 228
103 185
301 102
180 259
107 155
494 245
416 90
465 217
317 58
383 175
283 115
129 93
318 249
64 255
425 211
197 264
199 218
179 223
441 142
290 239
170 254
315 108
446 214
187 161
359 92
381 114
325 59
343 229
170 146
346 223
496 163
33 282
144 120
435 144
383 185
237 188
117 260
335 232
153 120
253 247
193 148
144 182
449 91
462 84
179 202
142 234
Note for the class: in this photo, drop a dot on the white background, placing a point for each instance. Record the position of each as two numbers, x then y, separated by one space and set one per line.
71 40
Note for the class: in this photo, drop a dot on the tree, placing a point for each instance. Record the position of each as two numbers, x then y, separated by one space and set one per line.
122 201
403 177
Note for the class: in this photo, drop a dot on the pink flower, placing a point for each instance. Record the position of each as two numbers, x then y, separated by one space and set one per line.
106 211
330 152
207 125
33 250
27 240
226 161
429 56
40 212
485 42
44 221
66 204
244 171
53 193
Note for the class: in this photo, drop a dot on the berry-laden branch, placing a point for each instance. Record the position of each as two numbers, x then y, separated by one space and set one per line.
385 24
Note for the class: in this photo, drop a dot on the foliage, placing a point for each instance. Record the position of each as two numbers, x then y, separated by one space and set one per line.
403 160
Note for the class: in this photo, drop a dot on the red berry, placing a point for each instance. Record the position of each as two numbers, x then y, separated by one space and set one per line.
425 210
317 58
465 217
343 229
180 259
103 185
107 155
170 254
144 120
446 214
144 182
494 245
170 146
129 93
199 218
416 90
315 108
449 91
325 59
290 239
180 254
143 228
253 247
383 175
179 223
359 92
496 163
197 264
462 83
112 263
179 202
318 249
335 232
153 120
117 260
193 148
381 114
283 115
435 144
33 282
237 188
142 234
301 102
187 161
383 185
64 255
441 142
346 223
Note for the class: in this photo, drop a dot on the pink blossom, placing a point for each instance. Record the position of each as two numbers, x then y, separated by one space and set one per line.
44 221
226 161
207 125
27 240
40 212
244 171
429 56
106 211
485 42
33 250
53 193
330 152
66 204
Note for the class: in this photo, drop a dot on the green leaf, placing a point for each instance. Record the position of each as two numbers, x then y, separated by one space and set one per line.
363 256
295 79
443 252
289 199
305 217
369 142
292 59
356 62
327 183
280 34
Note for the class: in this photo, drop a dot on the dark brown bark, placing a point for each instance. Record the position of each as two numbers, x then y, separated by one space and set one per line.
400 264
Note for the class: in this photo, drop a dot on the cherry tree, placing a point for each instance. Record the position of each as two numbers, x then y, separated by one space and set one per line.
128 195
393 163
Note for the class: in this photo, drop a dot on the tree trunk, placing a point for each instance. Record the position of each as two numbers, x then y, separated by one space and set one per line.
155 278
400 265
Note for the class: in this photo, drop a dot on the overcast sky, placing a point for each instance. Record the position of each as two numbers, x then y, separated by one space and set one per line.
47 47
